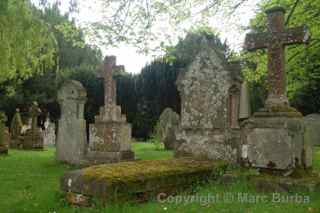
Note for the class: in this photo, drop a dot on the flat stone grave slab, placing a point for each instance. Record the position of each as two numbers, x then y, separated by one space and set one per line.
136 181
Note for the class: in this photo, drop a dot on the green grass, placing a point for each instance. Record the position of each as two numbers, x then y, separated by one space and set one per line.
29 182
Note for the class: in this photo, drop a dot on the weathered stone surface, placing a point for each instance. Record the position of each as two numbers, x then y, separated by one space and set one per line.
139 180
15 130
275 143
4 135
312 134
168 124
49 133
33 139
71 141
110 135
275 40
210 91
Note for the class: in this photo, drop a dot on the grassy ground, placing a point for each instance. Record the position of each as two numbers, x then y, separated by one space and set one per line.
29 182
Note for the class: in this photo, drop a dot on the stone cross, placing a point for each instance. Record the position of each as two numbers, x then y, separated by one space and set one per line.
109 83
275 41
34 112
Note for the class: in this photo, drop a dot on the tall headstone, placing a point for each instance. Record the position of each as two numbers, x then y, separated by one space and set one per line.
4 135
273 137
15 130
210 92
110 135
71 140
166 128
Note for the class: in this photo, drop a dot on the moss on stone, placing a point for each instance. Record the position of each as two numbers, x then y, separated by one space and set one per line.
292 112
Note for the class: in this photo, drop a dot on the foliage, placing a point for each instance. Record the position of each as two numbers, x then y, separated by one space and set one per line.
26 44
302 61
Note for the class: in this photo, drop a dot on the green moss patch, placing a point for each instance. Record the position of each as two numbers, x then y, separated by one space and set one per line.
139 180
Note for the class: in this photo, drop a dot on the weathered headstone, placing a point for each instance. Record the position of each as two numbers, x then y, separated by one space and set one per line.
4 135
209 91
110 135
49 133
15 130
312 127
71 141
33 139
166 128
273 137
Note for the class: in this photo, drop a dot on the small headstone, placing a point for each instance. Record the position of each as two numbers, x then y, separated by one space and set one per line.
71 141
49 133
16 129
210 92
4 135
110 135
168 124
33 139
312 134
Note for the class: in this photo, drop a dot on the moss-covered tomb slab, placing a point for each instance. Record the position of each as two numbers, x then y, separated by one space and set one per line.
139 180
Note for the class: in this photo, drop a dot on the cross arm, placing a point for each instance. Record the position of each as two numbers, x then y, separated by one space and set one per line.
296 35
256 41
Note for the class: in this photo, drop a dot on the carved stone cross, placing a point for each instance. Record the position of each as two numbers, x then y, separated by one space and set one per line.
275 41
109 83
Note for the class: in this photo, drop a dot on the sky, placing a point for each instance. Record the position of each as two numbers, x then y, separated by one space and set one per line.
232 29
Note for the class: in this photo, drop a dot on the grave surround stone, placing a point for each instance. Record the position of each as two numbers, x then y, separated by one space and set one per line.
71 139
110 135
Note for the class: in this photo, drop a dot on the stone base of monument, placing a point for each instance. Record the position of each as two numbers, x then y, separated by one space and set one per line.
208 144
136 181
5 142
275 140
33 140
110 142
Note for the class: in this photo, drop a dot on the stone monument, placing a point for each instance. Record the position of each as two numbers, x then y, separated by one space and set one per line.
49 133
33 139
210 97
167 126
71 140
273 137
110 135
4 135
15 130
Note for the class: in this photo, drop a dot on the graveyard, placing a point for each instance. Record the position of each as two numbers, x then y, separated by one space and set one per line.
159 106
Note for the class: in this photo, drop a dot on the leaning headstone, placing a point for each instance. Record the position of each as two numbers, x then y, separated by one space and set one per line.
33 139
210 91
168 124
49 133
4 135
274 137
110 135
16 130
71 141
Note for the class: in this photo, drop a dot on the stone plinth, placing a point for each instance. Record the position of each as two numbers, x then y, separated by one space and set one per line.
33 140
275 141
4 140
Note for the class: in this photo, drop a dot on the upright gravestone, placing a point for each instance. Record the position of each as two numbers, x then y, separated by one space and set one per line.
167 126
4 135
49 133
33 139
210 92
273 137
110 135
312 129
71 141
15 130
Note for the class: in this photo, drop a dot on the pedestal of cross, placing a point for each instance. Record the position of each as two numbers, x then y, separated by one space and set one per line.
275 41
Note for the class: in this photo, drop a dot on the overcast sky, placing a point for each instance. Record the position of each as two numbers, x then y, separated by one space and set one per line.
229 29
